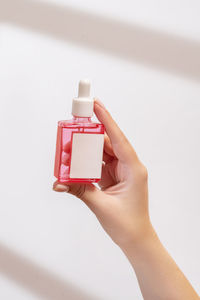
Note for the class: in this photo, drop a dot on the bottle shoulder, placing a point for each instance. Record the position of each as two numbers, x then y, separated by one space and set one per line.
78 123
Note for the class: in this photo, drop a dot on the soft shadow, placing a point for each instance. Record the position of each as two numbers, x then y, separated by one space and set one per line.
36 279
131 42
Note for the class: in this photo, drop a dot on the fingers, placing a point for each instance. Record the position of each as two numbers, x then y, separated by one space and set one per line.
60 187
120 145
108 154
107 158
88 193
108 146
107 179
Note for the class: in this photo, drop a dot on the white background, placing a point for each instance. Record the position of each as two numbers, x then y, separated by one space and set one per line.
51 246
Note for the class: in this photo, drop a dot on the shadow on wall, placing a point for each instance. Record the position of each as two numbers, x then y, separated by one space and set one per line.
36 279
171 53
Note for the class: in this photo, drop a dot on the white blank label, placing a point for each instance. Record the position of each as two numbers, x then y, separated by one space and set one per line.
86 156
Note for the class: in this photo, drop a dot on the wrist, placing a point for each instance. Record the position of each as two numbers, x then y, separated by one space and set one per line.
137 242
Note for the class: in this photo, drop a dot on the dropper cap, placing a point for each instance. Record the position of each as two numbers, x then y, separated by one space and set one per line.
82 106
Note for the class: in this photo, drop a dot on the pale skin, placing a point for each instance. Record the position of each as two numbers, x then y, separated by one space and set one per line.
121 206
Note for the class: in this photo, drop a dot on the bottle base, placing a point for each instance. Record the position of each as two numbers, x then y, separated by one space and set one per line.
79 180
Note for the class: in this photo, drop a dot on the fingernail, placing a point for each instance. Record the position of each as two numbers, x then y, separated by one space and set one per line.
99 103
61 188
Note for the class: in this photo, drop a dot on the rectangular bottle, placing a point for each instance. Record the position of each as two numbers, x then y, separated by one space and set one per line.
79 148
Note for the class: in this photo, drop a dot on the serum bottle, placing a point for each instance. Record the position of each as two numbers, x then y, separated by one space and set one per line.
79 147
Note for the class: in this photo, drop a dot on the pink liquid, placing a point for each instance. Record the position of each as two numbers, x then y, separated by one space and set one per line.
63 146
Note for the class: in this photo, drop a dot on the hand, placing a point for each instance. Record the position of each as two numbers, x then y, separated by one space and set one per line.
121 206
121 203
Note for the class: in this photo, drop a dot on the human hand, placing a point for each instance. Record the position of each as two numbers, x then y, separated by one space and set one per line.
121 206
121 203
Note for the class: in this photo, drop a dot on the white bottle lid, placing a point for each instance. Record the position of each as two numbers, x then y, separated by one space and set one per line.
82 106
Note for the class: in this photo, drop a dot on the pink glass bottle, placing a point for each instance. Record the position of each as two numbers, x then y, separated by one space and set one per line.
79 147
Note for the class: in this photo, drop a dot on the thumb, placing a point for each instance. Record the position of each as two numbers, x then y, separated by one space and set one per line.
88 193
120 144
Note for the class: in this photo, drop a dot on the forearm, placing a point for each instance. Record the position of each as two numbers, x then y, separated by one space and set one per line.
158 275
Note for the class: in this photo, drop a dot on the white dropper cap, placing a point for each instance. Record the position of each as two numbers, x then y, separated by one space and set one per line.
82 106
